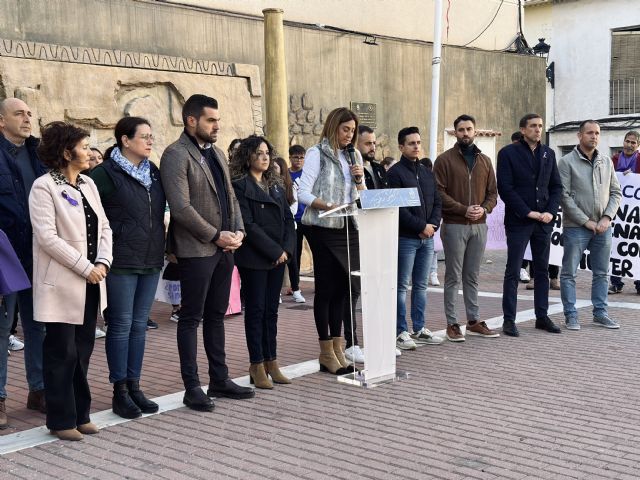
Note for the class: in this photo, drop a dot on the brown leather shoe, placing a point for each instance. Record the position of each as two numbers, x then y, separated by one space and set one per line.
3 415
481 330
71 434
454 334
36 401
554 284
88 428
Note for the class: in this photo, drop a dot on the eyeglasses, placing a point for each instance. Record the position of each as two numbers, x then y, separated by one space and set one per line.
147 137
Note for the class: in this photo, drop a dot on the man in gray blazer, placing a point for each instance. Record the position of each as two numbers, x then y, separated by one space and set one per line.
206 227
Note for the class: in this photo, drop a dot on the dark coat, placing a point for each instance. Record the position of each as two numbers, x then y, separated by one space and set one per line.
408 174
196 217
136 217
14 201
268 222
380 176
519 187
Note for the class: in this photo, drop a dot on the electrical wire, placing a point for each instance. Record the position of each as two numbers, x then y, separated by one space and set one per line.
487 27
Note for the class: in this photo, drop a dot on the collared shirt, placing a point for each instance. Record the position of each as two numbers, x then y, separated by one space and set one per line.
593 155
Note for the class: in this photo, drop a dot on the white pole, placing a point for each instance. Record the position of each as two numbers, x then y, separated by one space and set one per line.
435 81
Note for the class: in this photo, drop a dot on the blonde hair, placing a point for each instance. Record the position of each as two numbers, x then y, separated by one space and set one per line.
337 117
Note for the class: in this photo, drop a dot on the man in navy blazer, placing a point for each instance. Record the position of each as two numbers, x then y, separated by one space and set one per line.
530 186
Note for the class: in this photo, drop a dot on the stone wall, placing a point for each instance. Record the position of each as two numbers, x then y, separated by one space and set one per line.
94 88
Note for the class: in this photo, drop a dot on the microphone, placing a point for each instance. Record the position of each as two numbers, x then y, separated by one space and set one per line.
352 154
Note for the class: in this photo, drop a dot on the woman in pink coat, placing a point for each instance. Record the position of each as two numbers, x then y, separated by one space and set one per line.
71 258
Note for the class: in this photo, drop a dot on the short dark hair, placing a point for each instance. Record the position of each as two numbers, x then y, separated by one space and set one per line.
516 136
463 118
364 129
405 132
584 123
96 149
126 126
524 121
195 104
632 133
56 138
296 150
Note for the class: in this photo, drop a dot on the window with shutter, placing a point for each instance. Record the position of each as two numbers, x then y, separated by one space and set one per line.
624 83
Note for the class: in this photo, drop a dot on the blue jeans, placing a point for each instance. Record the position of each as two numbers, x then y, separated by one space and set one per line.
576 240
130 299
414 262
33 337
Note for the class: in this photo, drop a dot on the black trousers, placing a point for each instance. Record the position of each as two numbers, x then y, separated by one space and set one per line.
294 265
205 284
331 307
517 240
262 295
66 352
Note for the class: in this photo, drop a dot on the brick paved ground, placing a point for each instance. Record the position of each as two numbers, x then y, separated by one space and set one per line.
541 406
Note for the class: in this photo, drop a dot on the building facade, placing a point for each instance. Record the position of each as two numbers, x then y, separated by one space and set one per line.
595 60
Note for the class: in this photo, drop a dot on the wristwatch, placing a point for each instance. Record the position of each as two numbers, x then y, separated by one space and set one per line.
329 205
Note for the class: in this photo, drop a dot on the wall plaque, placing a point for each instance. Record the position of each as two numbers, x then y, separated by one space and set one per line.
366 113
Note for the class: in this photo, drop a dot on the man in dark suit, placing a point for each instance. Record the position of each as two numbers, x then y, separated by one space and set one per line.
530 186
206 227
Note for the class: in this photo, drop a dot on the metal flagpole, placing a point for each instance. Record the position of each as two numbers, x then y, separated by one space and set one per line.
435 81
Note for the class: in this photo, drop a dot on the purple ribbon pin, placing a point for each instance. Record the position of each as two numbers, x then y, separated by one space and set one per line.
72 201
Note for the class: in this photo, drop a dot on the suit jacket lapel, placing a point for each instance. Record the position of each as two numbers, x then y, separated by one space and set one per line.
199 159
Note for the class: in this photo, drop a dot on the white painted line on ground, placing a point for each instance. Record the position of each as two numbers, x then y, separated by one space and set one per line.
106 418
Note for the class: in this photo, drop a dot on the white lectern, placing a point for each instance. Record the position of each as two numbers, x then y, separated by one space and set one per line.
378 242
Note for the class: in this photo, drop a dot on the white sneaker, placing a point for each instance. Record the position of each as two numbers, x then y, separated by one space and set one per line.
405 342
15 344
297 297
354 353
433 279
175 316
425 336
280 299
524 276
100 333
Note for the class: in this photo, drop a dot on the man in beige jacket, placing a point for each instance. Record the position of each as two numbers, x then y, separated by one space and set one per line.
206 227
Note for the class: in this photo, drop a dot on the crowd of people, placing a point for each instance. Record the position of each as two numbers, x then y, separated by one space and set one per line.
88 232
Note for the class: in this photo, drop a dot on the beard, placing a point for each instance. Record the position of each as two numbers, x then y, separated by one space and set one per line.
204 136
465 141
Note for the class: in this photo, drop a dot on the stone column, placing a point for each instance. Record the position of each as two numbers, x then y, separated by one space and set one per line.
275 82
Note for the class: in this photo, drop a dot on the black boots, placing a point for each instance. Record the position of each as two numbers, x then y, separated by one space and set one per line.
509 328
122 403
143 403
545 323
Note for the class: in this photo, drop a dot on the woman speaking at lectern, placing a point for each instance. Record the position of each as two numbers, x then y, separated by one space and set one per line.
332 175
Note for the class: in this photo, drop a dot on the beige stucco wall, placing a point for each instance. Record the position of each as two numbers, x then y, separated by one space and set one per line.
411 19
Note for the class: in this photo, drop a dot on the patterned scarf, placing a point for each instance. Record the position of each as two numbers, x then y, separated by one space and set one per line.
141 173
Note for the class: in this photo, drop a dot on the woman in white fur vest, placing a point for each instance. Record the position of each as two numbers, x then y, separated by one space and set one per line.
332 176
